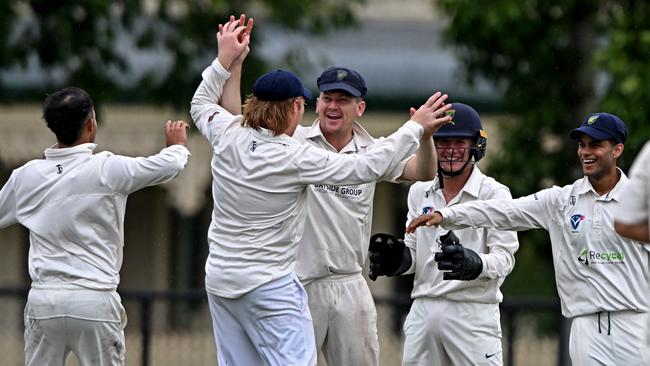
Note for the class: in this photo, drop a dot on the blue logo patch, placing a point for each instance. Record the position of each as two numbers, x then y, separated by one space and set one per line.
575 221
427 210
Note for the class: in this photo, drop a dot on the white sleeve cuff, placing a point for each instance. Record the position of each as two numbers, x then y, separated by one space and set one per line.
444 212
219 69
417 129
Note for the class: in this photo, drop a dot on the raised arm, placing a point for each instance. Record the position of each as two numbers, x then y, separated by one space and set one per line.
424 164
431 115
127 174
239 38
208 99
319 166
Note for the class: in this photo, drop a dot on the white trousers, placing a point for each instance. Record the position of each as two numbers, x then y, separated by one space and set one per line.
442 332
270 325
345 320
86 322
615 338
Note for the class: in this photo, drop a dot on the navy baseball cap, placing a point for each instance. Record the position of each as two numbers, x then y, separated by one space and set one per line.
279 85
601 126
342 78
465 122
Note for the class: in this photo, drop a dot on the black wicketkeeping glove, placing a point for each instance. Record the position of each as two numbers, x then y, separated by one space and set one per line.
388 256
459 262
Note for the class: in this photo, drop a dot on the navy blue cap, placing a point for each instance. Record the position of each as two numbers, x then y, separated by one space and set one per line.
279 85
342 78
465 122
601 126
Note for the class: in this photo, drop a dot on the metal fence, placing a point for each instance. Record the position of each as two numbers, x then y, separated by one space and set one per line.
173 327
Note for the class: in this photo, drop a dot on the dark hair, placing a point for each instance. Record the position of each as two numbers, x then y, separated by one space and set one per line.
65 112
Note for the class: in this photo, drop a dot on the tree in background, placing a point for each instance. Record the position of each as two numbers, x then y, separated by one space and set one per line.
87 43
555 61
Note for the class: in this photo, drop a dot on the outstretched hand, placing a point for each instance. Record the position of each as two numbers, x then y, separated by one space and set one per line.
432 114
433 219
176 133
233 39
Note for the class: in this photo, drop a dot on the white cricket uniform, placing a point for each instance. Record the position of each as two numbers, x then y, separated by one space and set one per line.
73 204
331 255
634 207
259 193
456 322
602 279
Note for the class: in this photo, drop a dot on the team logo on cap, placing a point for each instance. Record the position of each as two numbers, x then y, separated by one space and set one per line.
592 119
341 74
451 113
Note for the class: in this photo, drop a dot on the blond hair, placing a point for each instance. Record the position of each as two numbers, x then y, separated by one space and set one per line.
271 115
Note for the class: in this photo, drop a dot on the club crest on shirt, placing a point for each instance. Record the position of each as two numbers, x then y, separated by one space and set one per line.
575 221
427 210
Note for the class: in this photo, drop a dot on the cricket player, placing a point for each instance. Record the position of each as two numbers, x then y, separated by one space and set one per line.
73 203
602 278
334 246
258 306
633 215
452 322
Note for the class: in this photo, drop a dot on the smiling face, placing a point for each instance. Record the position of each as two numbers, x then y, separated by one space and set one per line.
453 153
337 112
598 157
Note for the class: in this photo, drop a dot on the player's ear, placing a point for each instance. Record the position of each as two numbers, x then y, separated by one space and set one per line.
618 150
361 107
295 106
90 124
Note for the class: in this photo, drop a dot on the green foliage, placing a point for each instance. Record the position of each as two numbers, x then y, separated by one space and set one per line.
79 42
625 61
555 61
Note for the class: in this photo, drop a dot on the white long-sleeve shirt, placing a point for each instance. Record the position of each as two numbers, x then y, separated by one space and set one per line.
73 204
496 248
259 188
339 218
634 207
595 269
